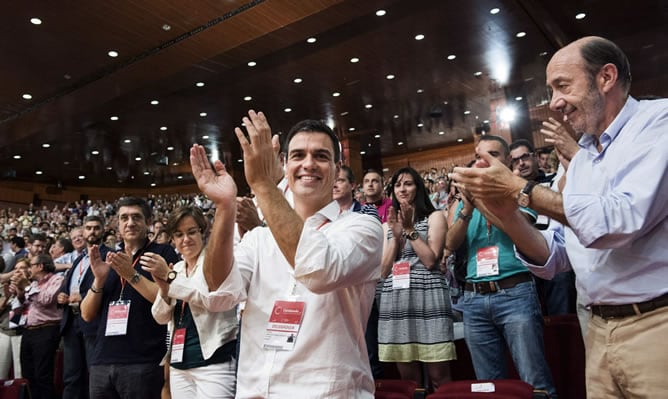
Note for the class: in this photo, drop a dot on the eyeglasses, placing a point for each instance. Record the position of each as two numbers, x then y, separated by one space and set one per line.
191 233
523 158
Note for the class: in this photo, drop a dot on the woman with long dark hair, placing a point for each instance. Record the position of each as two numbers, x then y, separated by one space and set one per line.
415 323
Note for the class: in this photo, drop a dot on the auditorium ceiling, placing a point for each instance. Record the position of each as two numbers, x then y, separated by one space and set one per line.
113 94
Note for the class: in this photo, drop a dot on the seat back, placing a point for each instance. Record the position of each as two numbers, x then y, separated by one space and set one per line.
17 388
403 387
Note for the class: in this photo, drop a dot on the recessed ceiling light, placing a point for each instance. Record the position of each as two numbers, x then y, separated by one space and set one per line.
368 106
521 34
311 40
485 121
166 27
153 184
400 143
146 173
494 11
396 116
336 94
477 74
543 54
109 168
297 80
175 164
17 156
441 133
38 172
202 114
252 63
248 98
467 112
95 152
113 118
344 113
362 152
205 137
155 102
163 128
199 84
127 141
240 160
82 177
419 37
420 124
580 15
35 21
112 53
389 77
460 140
46 145
351 129
354 60
67 76
287 110
518 98
138 159
420 91
179 177
377 136
170 148
380 13
27 96
452 57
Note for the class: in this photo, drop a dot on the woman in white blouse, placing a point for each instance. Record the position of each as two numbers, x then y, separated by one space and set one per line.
203 325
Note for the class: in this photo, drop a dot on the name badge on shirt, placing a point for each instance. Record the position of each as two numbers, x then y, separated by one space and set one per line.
487 261
177 345
284 324
401 275
117 318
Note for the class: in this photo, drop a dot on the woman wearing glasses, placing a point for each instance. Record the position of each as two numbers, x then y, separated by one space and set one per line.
203 324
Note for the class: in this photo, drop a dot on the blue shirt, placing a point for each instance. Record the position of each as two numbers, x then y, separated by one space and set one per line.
616 203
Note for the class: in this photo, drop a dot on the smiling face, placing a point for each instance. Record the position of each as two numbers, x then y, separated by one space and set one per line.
311 169
188 238
575 94
405 189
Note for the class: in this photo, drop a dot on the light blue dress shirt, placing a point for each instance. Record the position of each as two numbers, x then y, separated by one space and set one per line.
616 203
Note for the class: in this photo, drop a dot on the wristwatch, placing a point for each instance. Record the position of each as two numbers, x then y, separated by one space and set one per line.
135 278
171 276
461 215
411 235
524 197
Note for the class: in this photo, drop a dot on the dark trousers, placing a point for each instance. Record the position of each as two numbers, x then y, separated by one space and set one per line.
371 338
75 364
558 295
120 381
38 352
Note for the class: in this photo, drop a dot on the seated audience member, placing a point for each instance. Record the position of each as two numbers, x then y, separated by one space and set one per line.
313 271
203 328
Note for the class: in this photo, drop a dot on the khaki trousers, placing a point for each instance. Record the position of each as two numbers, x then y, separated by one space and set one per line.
627 358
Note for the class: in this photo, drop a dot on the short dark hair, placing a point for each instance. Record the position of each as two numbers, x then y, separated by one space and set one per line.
66 244
136 201
366 172
36 237
178 214
18 241
600 51
47 262
504 144
316 126
94 218
521 143
422 205
349 173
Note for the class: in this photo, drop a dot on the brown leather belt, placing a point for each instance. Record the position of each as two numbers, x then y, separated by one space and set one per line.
43 325
488 287
619 311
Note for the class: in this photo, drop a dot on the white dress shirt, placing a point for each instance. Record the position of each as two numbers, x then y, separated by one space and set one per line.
214 312
337 264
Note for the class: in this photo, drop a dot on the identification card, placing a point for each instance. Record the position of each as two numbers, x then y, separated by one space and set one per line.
117 318
401 275
487 261
177 345
284 324
483 387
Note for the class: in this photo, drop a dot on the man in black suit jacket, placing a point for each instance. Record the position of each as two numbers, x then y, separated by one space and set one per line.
78 335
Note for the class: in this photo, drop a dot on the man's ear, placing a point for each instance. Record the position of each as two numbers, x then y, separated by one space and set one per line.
607 77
